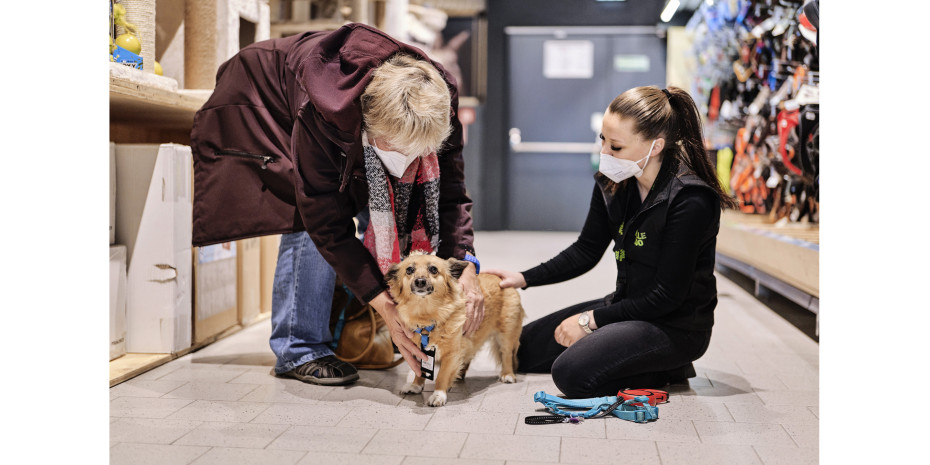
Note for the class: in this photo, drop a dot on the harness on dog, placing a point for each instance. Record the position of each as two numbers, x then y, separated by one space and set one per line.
637 405
428 366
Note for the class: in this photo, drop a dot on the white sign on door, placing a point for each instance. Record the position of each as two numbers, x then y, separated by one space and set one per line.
568 59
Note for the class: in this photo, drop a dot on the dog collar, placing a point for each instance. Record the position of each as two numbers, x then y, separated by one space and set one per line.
424 335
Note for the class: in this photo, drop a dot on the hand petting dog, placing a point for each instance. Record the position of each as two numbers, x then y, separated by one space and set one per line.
474 306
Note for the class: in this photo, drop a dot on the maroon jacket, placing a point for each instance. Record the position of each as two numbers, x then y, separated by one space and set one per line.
277 149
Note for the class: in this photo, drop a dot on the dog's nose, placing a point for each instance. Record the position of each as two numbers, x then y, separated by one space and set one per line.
419 282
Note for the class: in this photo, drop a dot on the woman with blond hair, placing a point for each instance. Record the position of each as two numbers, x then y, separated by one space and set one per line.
657 197
305 133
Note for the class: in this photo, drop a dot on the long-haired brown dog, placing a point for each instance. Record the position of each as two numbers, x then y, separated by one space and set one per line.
427 292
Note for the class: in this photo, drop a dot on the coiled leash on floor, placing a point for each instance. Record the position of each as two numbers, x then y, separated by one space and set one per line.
637 405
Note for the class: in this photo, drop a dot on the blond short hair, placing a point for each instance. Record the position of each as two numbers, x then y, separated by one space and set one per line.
407 104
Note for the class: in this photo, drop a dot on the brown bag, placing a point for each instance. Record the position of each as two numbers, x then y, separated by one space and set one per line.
363 338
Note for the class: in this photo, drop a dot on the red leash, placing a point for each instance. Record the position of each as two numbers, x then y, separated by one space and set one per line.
655 396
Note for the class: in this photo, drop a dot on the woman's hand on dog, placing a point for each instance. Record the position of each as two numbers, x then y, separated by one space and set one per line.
508 278
474 309
400 334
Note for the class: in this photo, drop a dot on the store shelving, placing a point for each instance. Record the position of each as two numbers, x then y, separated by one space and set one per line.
784 258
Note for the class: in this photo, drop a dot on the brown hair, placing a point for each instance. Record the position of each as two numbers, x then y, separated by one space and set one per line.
671 114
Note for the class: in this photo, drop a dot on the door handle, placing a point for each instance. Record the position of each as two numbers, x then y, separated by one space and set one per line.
517 145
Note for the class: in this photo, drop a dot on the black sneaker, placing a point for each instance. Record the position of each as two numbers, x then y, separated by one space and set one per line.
328 371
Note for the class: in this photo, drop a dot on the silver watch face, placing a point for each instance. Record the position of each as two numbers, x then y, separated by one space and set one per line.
583 319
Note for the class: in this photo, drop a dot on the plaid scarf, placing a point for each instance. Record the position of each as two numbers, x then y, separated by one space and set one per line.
404 213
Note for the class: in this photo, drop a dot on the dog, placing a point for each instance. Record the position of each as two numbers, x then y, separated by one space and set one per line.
427 292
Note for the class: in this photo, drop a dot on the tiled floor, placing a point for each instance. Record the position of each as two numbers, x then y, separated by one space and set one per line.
754 401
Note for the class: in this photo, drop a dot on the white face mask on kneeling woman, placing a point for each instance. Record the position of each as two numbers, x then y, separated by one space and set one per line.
618 169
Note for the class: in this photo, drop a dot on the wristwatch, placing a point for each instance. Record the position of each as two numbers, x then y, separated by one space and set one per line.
583 320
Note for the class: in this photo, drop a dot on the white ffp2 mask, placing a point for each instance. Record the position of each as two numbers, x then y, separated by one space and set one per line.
395 163
618 169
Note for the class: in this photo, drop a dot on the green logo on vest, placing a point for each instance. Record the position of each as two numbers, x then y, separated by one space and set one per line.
621 229
619 255
640 237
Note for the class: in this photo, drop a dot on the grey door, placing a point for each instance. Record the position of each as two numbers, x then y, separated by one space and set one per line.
560 79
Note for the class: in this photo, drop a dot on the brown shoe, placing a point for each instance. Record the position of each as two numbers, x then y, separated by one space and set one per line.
327 371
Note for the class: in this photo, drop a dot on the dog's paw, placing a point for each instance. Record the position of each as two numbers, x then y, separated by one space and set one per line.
411 389
508 378
438 399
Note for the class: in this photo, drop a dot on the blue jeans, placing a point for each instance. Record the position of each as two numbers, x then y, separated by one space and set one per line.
301 303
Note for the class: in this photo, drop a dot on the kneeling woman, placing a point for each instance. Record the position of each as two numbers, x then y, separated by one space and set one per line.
656 196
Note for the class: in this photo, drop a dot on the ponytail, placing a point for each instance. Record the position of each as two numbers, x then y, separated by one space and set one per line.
686 129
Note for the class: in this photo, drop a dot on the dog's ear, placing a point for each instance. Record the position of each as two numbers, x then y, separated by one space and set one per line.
391 274
456 267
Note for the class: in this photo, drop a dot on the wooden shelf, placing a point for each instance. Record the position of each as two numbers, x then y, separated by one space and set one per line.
790 253
145 108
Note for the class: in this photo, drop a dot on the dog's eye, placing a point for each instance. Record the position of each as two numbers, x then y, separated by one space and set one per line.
433 270
410 270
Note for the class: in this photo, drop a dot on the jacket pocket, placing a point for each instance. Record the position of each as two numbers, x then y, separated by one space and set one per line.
265 159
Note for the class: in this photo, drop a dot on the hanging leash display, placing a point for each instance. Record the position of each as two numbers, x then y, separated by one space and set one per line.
636 405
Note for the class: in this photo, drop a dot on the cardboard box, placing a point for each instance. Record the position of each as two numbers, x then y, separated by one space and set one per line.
215 308
153 220
248 275
112 193
269 263
118 291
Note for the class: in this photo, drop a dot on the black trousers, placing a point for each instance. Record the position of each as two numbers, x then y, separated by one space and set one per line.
622 355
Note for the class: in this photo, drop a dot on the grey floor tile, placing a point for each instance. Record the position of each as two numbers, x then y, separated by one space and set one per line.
808 398
154 454
507 447
145 407
509 401
239 456
244 435
144 388
202 390
150 430
208 410
815 409
586 429
205 372
398 418
698 409
324 439
746 381
473 422
663 429
427 443
806 382
724 393
360 395
459 401
784 456
677 453
288 391
609 451
806 435
712 432
444 461
782 414
253 376
332 458
301 414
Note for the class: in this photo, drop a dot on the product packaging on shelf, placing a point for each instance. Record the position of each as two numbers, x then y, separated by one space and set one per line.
112 193
153 220
249 259
215 296
118 291
269 263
